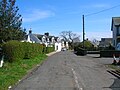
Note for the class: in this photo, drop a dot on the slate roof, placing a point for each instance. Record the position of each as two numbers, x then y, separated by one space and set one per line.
39 36
115 21
76 40
105 42
34 38
50 37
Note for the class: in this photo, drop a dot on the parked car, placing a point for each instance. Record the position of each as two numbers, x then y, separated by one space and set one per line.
64 49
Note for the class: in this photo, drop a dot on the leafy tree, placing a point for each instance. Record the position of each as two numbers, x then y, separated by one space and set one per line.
10 21
88 45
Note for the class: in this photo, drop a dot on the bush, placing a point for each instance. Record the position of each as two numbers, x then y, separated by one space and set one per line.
32 49
75 48
87 45
13 50
44 49
80 51
50 49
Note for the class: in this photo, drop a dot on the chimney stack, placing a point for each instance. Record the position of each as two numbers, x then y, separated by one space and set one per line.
30 31
47 34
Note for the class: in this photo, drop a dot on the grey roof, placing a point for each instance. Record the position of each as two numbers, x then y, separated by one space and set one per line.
105 42
50 36
63 40
39 36
76 39
115 21
34 38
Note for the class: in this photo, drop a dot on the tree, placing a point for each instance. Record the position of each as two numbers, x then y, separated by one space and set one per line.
10 21
88 45
70 37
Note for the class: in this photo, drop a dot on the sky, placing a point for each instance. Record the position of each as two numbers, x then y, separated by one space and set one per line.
55 16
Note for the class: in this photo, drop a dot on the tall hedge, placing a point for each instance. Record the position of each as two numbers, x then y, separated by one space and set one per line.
15 50
32 49
50 49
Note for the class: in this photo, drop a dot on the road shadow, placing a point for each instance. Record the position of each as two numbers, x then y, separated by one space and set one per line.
97 57
115 85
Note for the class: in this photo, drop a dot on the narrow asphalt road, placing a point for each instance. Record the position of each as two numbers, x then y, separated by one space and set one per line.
66 71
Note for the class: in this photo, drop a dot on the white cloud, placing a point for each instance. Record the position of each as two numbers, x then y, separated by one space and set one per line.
36 14
96 35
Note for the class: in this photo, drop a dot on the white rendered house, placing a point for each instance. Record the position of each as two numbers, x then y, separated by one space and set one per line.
115 28
46 39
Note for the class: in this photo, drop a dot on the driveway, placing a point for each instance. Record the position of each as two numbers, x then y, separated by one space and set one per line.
66 71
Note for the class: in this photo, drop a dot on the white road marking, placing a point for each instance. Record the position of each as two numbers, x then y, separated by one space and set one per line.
76 79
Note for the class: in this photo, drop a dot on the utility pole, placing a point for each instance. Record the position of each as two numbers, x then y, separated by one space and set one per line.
83 32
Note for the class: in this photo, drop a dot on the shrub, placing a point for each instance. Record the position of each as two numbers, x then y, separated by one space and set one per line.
13 50
50 49
87 45
80 51
44 48
32 49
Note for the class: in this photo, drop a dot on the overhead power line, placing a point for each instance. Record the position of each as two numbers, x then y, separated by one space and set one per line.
102 11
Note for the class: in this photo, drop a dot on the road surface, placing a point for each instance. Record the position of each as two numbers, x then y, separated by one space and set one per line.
66 71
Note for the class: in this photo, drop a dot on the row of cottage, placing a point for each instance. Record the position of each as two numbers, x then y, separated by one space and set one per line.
46 39
59 44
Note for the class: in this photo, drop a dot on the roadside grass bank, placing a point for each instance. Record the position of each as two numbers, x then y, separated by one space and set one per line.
11 73
114 67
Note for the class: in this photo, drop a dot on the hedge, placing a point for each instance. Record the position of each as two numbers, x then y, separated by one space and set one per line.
15 50
80 51
44 49
50 49
32 49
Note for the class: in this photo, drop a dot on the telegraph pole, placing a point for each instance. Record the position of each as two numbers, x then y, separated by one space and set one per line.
83 32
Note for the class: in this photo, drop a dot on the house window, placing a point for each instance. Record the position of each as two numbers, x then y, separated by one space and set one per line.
114 42
43 39
118 30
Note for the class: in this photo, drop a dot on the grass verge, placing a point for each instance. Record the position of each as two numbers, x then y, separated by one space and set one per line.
115 67
11 73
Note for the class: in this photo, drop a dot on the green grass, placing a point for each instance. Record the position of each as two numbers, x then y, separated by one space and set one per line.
115 67
12 72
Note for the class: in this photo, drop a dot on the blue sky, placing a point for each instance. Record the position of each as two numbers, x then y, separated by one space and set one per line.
55 16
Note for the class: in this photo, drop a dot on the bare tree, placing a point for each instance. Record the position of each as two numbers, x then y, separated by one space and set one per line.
70 37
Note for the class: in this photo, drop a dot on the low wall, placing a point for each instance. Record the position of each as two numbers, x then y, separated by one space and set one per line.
109 53
93 52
